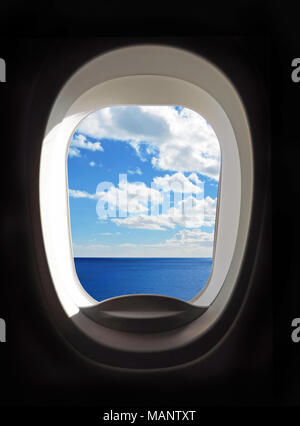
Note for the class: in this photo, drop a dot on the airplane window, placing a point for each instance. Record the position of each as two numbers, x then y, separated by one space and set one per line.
143 185
145 193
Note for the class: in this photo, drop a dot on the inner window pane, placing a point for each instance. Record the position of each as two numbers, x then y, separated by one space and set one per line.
143 186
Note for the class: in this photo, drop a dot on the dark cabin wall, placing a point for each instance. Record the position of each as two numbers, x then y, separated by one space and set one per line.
251 41
46 370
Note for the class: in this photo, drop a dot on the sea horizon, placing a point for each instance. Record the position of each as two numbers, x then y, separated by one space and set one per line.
139 257
107 277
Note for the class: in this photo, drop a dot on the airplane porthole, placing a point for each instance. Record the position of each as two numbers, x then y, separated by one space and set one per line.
142 325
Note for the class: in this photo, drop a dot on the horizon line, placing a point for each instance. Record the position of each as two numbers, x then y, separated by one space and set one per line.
138 257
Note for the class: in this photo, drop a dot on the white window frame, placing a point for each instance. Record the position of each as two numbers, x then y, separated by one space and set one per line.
149 75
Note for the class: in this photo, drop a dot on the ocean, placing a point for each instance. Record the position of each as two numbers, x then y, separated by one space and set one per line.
104 278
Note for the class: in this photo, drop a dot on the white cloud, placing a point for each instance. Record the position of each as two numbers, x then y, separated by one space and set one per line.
179 183
74 193
74 152
128 204
185 243
143 221
194 178
131 198
177 142
137 171
202 213
189 243
110 233
79 141
92 163
191 237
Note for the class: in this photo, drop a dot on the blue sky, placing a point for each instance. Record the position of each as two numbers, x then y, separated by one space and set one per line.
154 148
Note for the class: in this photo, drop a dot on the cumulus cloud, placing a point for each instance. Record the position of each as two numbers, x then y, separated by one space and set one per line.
135 205
80 141
202 213
92 163
179 183
124 123
128 198
175 142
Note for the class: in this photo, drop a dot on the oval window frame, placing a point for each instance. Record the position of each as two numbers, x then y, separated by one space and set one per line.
106 77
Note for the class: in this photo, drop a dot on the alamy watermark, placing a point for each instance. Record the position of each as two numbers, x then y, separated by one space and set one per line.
166 196
2 71
296 71
2 331
2 80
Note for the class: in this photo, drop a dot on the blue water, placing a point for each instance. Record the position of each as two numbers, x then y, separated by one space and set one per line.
103 278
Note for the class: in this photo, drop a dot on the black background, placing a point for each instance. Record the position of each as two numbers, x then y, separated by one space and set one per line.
260 364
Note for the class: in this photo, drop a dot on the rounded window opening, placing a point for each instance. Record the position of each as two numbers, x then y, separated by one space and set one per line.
143 184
